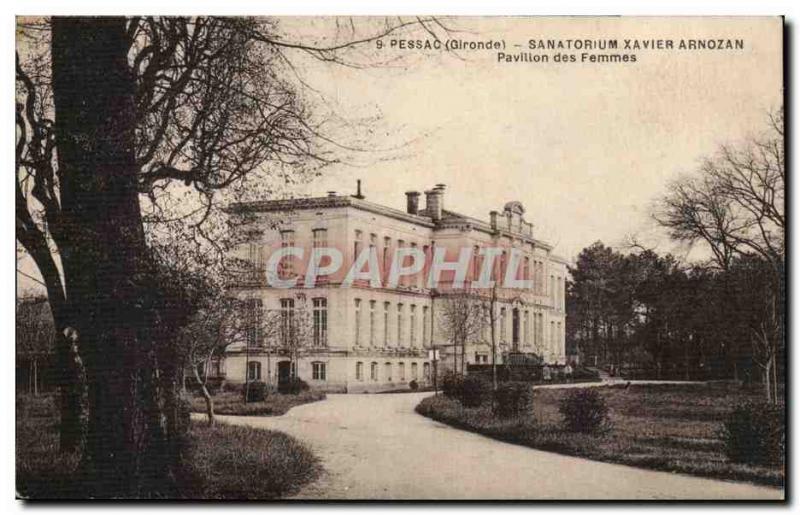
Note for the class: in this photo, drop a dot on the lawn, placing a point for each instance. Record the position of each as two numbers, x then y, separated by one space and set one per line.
663 427
223 462
232 403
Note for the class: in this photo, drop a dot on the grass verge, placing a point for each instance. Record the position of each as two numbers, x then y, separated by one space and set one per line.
222 461
232 403
672 428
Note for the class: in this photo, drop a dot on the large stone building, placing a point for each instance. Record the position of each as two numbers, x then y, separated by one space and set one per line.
368 337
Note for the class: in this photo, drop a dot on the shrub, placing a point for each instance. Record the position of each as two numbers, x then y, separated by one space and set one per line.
584 374
474 389
293 386
754 433
584 411
513 398
255 391
451 385
414 385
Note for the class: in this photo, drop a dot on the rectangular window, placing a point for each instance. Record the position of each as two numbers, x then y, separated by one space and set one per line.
425 332
387 256
414 371
318 371
426 251
476 263
286 266
412 331
541 329
501 269
357 244
526 268
357 334
254 314
287 321
388 367
414 281
502 324
372 323
426 370
256 258
400 325
386 324
359 371
320 322
558 338
539 278
403 280
526 329
401 371
373 371
254 371
319 239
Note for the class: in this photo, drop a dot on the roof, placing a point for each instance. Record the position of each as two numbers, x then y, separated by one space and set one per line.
449 218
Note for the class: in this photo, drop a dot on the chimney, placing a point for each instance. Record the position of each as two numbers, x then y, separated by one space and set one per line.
440 188
412 202
493 219
358 194
433 203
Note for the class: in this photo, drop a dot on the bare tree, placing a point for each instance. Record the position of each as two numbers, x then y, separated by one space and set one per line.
463 318
735 204
217 324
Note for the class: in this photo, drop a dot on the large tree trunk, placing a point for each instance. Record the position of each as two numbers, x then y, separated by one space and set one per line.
134 427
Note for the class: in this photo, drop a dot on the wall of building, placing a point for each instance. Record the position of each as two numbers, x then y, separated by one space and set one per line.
357 328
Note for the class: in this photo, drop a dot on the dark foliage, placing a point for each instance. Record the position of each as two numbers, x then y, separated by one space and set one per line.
754 433
255 391
451 385
293 386
584 375
513 399
584 411
414 385
474 390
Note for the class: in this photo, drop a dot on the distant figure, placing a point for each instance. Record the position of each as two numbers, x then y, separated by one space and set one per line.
627 385
568 372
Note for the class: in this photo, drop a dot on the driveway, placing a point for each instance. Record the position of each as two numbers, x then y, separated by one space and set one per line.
376 447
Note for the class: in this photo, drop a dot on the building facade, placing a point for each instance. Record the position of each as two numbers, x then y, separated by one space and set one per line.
361 336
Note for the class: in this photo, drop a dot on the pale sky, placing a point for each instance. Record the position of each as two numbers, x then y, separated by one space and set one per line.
585 147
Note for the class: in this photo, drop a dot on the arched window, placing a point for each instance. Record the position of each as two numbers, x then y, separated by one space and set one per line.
359 371
388 368
426 371
401 371
373 372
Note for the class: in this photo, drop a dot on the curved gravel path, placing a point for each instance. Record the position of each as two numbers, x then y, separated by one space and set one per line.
377 447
